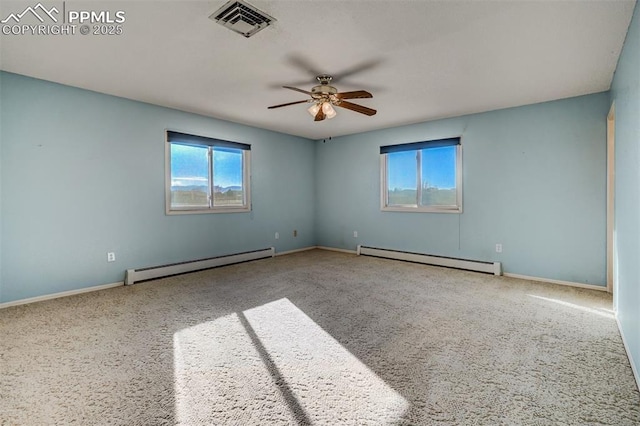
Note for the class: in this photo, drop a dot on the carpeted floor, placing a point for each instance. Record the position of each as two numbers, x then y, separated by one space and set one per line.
318 338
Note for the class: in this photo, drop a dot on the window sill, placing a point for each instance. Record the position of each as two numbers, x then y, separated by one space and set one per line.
209 211
421 209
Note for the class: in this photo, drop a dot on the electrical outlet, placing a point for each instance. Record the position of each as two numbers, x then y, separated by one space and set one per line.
295 232
277 235
355 234
498 248
111 257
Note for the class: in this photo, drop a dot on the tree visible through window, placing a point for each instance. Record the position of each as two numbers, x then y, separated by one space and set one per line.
206 175
422 176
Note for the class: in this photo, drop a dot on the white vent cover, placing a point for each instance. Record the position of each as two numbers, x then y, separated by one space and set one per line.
241 17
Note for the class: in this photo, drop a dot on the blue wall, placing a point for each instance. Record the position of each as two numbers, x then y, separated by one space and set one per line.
82 174
534 179
625 92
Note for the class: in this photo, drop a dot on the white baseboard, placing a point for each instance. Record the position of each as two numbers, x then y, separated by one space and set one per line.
283 253
336 249
548 280
626 348
61 294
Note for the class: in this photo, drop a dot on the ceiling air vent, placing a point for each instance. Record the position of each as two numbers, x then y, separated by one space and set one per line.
241 17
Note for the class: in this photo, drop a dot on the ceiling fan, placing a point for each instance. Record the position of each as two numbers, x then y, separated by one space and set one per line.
324 97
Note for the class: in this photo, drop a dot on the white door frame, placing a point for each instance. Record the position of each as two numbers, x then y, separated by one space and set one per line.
611 131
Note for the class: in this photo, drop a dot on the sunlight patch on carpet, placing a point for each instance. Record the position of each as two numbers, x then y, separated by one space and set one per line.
330 383
220 377
274 364
602 312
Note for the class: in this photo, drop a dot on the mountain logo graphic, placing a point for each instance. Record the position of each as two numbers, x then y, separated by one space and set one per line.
38 11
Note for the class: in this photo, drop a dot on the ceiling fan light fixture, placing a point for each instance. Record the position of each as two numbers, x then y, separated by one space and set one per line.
328 110
313 109
325 97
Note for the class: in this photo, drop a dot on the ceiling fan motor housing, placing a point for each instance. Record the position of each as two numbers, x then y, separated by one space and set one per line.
323 91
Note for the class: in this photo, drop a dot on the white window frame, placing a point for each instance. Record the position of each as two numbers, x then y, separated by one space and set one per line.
211 143
384 190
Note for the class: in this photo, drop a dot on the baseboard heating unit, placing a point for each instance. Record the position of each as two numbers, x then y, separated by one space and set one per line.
143 274
449 262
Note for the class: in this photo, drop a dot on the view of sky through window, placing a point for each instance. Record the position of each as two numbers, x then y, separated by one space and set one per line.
437 170
189 166
227 167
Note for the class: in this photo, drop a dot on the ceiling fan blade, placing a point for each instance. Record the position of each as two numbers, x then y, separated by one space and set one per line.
319 116
287 104
353 95
304 64
356 69
289 83
357 108
306 92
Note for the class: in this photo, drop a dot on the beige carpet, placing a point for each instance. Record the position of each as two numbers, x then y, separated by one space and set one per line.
318 338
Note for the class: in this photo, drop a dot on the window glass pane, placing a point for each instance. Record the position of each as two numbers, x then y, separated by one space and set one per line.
189 176
402 178
439 176
227 177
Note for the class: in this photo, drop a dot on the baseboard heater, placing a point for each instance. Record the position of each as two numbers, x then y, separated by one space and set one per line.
449 262
143 274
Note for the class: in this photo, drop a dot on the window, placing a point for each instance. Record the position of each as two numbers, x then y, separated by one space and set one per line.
422 176
206 175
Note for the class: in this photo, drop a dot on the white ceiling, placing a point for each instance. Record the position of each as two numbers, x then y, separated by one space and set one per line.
422 60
